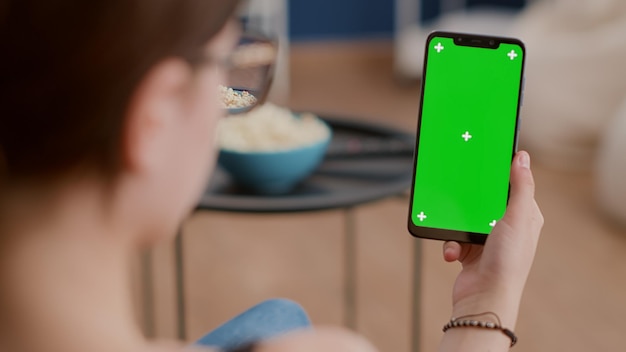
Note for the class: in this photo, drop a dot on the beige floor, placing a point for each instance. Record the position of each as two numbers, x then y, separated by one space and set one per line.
575 298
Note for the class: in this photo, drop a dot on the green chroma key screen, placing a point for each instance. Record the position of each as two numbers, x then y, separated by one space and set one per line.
467 135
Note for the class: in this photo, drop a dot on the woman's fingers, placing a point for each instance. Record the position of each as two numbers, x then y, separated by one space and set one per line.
523 216
451 251
462 252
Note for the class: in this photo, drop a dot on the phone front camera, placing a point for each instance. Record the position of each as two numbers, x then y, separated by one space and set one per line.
492 42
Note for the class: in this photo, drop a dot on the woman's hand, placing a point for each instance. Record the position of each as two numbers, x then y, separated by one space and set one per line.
494 275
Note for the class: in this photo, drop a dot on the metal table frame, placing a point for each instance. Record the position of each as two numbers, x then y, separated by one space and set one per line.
327 170
350 291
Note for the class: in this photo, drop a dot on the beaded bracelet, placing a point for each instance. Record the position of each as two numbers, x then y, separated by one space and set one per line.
464 322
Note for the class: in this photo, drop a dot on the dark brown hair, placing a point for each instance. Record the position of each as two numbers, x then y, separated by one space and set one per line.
69 67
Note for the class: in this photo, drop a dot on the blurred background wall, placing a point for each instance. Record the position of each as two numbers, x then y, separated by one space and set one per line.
359 19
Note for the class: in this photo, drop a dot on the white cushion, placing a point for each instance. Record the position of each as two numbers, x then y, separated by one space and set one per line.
575 78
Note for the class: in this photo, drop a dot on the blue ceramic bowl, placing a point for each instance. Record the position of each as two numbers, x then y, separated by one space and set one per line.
275 172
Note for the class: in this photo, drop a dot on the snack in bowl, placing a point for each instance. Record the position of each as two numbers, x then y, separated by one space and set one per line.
269 150
236 99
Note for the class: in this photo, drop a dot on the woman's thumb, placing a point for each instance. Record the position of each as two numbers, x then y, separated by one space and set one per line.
521 201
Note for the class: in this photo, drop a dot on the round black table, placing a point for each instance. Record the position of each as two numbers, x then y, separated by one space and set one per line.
364 162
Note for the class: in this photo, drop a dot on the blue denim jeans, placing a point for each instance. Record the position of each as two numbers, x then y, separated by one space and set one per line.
266 320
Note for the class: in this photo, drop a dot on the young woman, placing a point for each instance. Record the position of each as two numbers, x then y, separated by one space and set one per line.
108 111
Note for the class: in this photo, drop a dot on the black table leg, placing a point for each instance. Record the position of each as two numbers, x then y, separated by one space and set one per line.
417 296
180 285
350 268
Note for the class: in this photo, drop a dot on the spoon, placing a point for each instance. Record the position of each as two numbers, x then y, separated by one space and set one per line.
251 73
238 100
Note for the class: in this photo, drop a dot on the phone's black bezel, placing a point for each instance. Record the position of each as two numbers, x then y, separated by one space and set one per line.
475 40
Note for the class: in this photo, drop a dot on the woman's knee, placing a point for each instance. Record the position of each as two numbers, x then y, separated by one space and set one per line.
321 339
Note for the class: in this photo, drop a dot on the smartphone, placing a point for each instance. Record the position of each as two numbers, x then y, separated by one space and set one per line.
472 90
